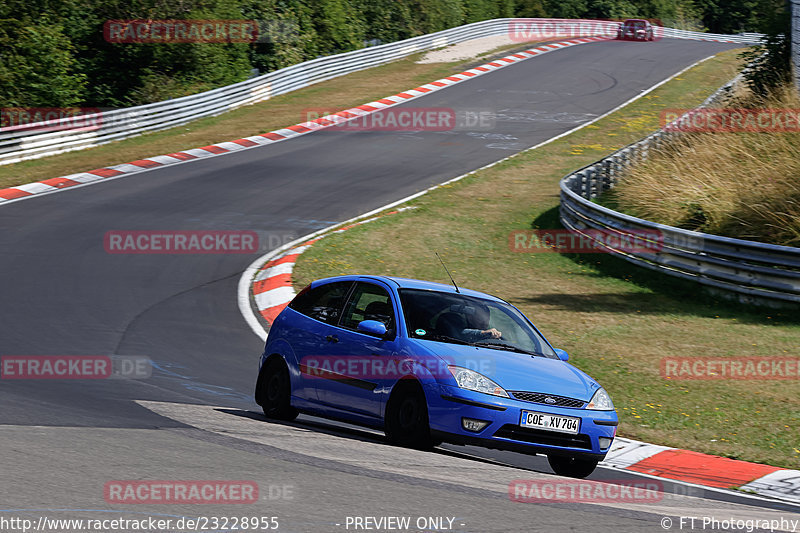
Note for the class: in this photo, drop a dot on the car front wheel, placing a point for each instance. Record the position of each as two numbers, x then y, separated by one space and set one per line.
571 466
273 391
406 422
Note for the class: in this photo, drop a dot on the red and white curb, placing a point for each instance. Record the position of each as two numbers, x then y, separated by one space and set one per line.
704 470
29 190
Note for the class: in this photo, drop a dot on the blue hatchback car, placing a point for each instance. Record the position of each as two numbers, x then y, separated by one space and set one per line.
430 363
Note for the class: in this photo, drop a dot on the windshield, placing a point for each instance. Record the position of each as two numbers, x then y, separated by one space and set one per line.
461 319
638 25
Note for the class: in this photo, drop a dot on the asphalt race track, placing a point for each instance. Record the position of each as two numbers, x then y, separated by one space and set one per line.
63 294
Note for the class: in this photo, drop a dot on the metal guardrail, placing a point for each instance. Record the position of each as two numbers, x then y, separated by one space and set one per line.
123 123
755 272
795 32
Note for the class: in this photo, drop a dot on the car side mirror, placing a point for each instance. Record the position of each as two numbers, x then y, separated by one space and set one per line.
564 356
374 328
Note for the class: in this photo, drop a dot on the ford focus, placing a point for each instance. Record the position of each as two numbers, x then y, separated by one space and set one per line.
429 363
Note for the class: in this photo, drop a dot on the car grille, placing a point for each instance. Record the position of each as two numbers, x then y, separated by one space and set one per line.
540 397
545 438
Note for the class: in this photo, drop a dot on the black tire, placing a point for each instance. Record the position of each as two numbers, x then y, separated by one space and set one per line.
273 390
406 422
572 466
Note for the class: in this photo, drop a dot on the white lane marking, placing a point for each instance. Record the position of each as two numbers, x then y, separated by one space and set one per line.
84 177
230 145
497 136
783 484
35 188
395 99
163 159
295 250
274 297
258 139
419 464
626 452
504 146
198 152
286 132
277 270
127 168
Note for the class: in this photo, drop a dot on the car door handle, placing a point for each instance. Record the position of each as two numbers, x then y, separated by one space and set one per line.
332 338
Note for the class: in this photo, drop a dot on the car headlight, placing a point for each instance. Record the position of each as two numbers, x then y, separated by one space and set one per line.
601 401
471 380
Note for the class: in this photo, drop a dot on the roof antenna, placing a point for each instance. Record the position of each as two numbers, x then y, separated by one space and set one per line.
448 272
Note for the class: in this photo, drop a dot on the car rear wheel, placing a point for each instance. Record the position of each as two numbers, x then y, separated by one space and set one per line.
273 390
571 466
406 422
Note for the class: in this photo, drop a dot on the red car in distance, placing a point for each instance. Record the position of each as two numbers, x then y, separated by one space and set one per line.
635 30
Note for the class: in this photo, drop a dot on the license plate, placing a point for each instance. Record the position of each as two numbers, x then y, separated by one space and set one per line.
564 424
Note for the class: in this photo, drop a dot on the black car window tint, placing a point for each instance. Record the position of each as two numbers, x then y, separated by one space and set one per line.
323 303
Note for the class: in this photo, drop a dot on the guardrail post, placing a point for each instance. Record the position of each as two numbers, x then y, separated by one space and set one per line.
582 184
593 175
608 170
795 7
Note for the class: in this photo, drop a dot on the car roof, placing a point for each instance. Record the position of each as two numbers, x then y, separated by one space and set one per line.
636 20
408 283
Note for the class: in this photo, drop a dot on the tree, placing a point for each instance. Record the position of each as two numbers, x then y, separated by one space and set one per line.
387 20
338 26
771 62
37 67
435 15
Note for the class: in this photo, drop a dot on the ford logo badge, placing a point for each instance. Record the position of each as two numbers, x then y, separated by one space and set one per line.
549 400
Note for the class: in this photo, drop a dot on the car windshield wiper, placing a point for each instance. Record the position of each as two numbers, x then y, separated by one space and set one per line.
504 346
445 338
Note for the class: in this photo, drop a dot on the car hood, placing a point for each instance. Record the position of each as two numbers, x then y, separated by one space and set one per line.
518 371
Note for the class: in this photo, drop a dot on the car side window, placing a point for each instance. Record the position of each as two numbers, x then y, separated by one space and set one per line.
323 303
368 302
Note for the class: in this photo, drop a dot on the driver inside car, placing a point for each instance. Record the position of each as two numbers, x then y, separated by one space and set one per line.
478 325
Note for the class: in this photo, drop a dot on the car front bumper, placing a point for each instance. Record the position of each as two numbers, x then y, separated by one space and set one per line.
448 405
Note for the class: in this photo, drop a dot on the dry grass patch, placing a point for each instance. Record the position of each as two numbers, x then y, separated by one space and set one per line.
741 185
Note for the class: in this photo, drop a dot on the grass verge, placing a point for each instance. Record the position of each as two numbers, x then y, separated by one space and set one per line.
285 110
615 320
